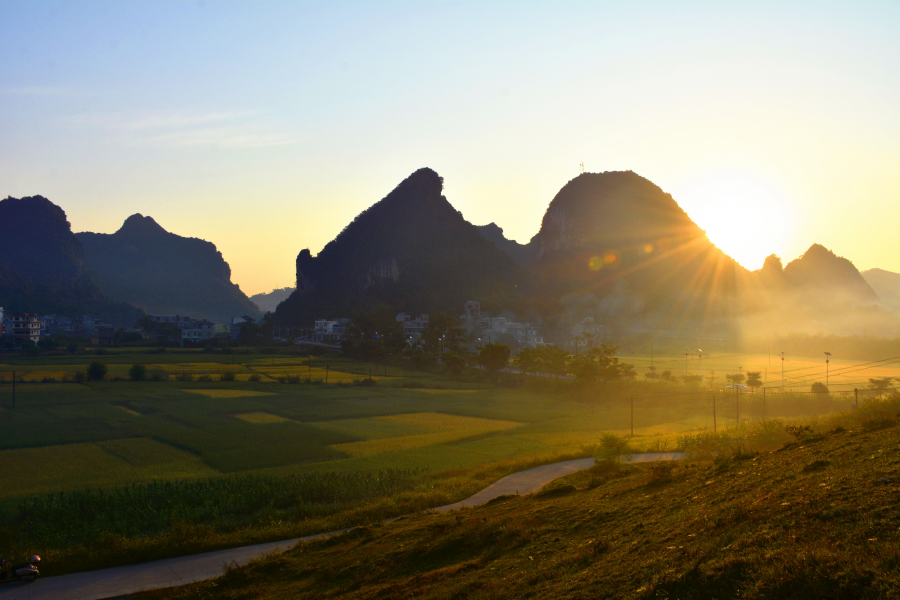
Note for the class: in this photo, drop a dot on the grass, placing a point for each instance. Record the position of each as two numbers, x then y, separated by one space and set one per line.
222 393
812 520
260 418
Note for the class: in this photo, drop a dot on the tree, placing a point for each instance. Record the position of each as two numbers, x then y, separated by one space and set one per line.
137 372
613 448
818 388
694 380
600 363
754 379
443 330
96 371
666 376
711 378
493 357
528 361
880 384
554 360
454 363
735 378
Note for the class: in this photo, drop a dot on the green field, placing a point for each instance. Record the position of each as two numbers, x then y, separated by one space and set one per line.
455 433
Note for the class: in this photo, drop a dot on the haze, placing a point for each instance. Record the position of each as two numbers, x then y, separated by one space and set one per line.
266 127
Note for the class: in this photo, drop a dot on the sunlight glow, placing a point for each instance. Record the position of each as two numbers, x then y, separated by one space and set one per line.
742 213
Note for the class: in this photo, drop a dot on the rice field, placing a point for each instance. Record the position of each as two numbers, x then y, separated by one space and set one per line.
260 418
225 393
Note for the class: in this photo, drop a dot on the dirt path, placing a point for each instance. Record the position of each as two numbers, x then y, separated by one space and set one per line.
171 572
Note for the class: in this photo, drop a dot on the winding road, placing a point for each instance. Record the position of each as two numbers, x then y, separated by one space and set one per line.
171 572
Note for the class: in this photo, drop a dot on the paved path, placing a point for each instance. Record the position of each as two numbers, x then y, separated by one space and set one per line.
171 572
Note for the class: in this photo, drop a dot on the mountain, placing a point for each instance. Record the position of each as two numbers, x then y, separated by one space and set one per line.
821 271
616 247
412 250
164 273
268 302
886 284
522 254
42 265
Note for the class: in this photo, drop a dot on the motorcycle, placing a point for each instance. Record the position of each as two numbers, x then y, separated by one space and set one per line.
26 571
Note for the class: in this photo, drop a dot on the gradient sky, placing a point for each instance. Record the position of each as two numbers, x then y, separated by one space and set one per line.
265 127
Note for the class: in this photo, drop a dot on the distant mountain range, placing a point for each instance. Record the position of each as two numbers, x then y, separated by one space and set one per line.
612 246
886 284
269 301
164 273
42 265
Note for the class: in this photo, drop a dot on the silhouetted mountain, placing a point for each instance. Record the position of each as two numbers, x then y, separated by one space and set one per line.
412 250
820 271
886 284
615 246
522 254
164 273
42 265
268 302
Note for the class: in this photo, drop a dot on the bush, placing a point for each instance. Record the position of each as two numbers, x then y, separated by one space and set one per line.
96 371
612 449
255 377
227 376
662 471
78 377
818 388
137 372
204 378
158 375
184 376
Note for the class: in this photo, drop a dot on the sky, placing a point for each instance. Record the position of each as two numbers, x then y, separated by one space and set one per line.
265 127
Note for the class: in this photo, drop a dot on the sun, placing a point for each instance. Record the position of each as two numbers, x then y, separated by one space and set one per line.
744 214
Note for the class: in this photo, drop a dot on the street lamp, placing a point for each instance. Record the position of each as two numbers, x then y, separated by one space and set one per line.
687 353
827 360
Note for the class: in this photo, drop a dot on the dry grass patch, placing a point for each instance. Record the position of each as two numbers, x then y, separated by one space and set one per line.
260 418
229 393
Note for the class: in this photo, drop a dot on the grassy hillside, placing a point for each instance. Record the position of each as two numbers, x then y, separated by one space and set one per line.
817 518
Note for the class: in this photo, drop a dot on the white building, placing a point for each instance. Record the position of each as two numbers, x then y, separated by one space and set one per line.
330 330
413 328
527 334
23 326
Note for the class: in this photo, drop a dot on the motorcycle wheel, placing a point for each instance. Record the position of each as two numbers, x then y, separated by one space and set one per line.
28 578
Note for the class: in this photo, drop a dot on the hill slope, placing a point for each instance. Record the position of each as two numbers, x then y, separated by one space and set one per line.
817 519
412 250
164 273
42 265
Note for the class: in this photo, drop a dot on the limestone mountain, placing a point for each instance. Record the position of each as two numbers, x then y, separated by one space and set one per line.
821 271
522 254
164 273
412 250
615 246
886 284
42 265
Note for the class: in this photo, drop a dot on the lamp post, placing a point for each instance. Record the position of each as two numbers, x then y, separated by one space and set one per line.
687 353
700 362
827 360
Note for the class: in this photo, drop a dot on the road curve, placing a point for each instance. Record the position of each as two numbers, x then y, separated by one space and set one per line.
171 572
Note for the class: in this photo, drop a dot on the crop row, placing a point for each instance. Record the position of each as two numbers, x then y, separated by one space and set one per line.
143 509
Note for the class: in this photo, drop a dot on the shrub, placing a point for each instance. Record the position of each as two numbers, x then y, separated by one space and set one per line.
96 371
662 471
226 376
137 372
818 388
255 377
800 432
204 377
158 375
612 449
78 376
184 376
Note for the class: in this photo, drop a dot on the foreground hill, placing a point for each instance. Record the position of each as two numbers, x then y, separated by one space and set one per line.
816 519
164 273
412 250
42 265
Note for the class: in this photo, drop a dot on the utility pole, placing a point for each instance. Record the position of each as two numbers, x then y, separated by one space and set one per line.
855 393
714 413
737 405
764 405
14 389
632 416
582 168
326 374
782 372
827 360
